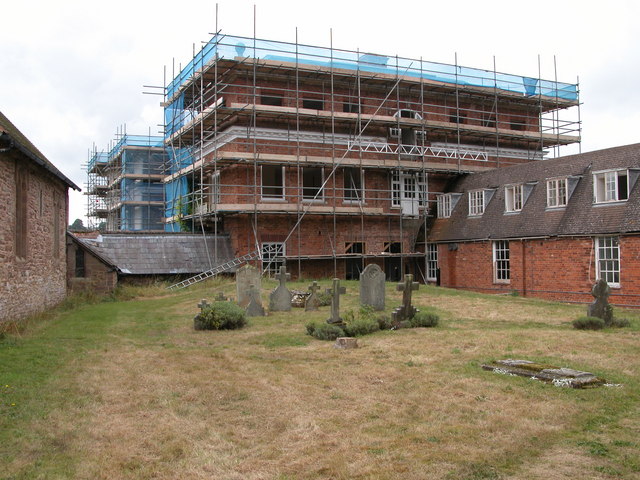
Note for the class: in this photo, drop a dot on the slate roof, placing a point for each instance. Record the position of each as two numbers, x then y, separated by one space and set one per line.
11 137
92 250
580 217
161 254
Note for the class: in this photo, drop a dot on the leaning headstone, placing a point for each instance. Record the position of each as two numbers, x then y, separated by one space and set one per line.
246 276
254 306
335 293
372 287
406 311
313 302
280 298
600 307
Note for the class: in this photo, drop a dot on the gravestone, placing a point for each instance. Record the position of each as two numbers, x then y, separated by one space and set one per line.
600 307
346 343
246 276
203 304
221 298
335 293
280 298
559 376
372 287
254 306
406 311
313 302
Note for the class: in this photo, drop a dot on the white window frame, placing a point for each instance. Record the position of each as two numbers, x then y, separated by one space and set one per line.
445 205
262 186
476 203
557 192
432 262
271 250
606 186
607 252
501 261
215 188
398 190
513 198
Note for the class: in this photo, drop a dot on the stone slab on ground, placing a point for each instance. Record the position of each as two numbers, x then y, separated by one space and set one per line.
346 342
559 376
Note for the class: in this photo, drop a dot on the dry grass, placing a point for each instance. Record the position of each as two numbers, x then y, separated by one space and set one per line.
269 402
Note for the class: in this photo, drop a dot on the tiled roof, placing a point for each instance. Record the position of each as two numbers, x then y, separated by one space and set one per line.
12 137
580 217
161 254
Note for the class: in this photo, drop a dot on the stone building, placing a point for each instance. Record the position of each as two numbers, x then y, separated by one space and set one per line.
34 197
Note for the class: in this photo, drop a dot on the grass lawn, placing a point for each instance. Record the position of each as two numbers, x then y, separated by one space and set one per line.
127 389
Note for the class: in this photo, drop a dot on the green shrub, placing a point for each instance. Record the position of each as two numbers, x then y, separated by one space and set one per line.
384 322
220 316
361 326
588 323
620 322
324 331
324 299
424 319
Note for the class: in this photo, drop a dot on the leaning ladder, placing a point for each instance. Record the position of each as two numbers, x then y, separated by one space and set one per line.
223 267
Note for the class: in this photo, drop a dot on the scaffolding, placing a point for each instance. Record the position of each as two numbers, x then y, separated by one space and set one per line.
124 185
277 143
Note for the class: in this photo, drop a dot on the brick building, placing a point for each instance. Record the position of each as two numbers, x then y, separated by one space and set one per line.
548 229
328 159
34 196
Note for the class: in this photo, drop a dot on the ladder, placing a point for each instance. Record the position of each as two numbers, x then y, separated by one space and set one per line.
223 267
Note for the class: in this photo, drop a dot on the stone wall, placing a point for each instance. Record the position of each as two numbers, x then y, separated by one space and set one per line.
97 276
35 281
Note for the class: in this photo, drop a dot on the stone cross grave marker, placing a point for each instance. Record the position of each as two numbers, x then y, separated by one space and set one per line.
372 281
313 302
600 307
221 298
335 293
203 304
245 277
280 298
406 311
254 306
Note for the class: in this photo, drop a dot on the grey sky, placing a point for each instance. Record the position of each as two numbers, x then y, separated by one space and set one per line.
73 71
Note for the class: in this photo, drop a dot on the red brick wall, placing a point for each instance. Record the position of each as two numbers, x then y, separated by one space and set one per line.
560 269
38 281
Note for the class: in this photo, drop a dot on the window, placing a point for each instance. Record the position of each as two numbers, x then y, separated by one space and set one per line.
79 270
272 182
518 123
444 206
312 183
350 107
215 188
557 192
392 247
272 257
489 120
501 266
271 99
476 202
608 260
610 186
409 188
457 118
21 212
353 185
408 113
354 247
432 262
513 198
313 103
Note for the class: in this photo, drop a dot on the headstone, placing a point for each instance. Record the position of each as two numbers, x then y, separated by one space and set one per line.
203 304
221 298
346 343
335 293
313 302
372 287
406 311
600 307
246 276
254 306
280 298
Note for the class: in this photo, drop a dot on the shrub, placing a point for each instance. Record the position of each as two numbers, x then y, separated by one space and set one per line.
324 299
326 331
588 323
220 316
361 326
620 322
384 322
424 319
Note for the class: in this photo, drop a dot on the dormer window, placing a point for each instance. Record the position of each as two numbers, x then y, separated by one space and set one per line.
556 192
611 186
446 203
513 198
476 202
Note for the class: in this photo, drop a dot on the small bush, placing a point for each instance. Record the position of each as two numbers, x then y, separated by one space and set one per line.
384 322
361 326
220 316
588 323
620 323
324 299
326 331
311 327
424 319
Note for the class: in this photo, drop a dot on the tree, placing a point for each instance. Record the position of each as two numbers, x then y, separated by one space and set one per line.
77 226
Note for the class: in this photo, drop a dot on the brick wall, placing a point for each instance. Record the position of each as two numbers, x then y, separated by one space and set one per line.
561 269
35 281
97 276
